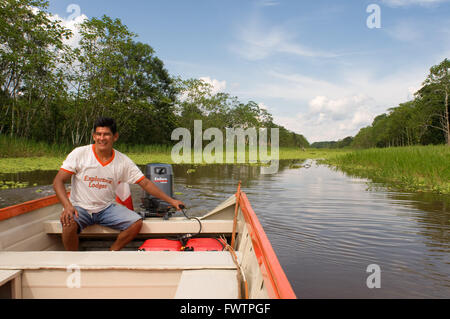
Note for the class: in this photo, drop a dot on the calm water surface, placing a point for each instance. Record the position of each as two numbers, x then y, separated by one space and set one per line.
324 226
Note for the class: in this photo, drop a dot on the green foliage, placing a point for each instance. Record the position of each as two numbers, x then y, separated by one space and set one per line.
51 92
31 50
344 143
221 110
424 120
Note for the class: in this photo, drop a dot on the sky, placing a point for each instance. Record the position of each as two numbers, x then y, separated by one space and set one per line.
322 68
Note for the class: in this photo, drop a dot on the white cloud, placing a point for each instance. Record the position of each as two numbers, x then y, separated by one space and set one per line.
322 127
216 85
325 110
263 106
402 3
406 31
257 42
72 23
341 108
268 3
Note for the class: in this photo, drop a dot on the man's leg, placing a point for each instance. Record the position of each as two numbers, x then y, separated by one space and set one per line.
121 218
70 232
127 236
70 236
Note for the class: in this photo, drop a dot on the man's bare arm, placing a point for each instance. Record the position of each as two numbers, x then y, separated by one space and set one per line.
60 190
152 189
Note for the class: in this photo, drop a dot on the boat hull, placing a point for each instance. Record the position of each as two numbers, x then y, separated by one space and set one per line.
30 244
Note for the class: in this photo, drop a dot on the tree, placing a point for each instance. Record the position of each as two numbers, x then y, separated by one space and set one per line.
96 74
434 96
31 50
146 96
364 138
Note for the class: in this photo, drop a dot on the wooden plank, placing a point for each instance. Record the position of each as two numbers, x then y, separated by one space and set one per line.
27 225
155 226
59 283
16 288
37 242
23 208
100 293
151 260
208 284
7 275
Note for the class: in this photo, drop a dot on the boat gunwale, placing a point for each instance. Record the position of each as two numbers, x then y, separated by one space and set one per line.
27 207
278 284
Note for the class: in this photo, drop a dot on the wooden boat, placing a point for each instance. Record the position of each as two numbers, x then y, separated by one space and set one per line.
34 264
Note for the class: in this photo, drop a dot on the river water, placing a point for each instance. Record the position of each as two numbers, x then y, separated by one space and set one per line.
326 227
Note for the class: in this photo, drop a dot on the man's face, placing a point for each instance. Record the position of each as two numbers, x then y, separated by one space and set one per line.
104 138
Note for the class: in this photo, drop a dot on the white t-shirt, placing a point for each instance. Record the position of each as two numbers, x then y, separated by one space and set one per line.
93 182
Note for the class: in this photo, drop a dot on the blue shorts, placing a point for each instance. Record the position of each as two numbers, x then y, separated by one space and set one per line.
114 216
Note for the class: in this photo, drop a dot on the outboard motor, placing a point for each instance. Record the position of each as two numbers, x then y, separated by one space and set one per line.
162 176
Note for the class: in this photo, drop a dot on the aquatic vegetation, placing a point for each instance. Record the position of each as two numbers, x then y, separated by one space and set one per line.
12 184
413 168
27 164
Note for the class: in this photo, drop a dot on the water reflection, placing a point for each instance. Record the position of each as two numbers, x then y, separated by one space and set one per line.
327 227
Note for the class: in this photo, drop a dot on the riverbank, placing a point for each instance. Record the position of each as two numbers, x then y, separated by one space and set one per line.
412 168
21 155
54 161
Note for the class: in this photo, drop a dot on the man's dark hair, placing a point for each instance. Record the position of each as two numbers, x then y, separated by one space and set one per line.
106 122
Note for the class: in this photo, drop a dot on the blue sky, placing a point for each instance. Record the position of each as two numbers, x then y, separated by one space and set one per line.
315 65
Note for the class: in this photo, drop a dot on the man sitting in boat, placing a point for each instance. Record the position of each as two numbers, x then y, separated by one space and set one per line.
96 170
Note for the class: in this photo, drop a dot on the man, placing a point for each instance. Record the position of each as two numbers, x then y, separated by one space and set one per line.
96 170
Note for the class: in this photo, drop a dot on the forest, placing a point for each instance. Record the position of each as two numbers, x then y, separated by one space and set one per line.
53 92
421 121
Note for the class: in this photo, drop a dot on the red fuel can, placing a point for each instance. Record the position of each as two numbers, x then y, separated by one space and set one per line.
161 245
204 244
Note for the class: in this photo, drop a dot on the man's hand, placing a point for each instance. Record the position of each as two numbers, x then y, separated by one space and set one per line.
60 191
177 204
67 215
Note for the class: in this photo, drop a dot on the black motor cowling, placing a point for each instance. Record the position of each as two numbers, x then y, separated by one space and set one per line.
162 176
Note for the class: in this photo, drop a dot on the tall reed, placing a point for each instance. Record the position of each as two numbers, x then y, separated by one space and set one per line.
21 147
417 168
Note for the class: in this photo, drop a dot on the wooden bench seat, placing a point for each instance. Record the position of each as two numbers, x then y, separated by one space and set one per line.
154 227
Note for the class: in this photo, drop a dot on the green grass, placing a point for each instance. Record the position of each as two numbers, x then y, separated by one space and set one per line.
413 168
22 155
287 153
20 147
